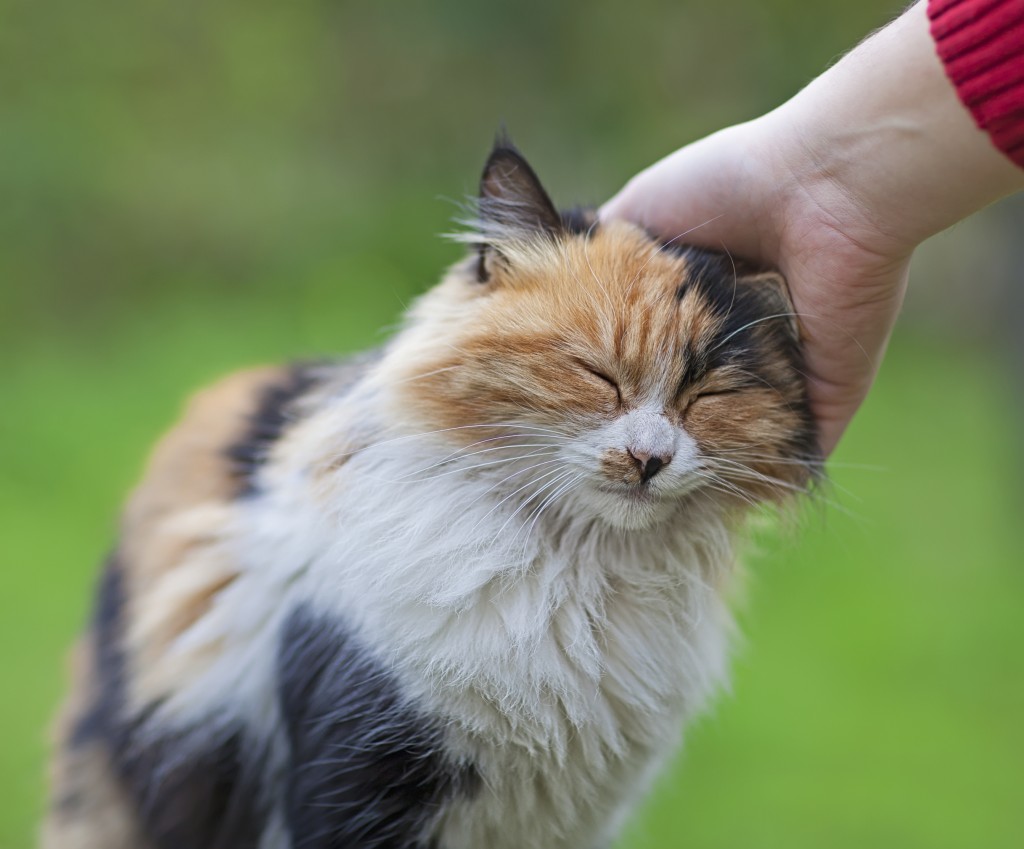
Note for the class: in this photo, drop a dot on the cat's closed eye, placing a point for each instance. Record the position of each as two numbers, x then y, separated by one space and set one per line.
705 394
603 378
691 398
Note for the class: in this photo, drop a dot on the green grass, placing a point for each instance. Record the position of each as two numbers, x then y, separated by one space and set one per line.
877 695
191 187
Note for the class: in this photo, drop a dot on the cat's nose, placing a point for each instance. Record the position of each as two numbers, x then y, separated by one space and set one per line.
649 464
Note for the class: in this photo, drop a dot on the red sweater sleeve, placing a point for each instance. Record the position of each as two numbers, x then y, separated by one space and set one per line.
981 43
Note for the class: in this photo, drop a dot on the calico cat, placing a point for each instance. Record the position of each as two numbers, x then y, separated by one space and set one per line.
460 593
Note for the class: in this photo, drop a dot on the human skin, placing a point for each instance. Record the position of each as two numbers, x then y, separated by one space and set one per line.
836 188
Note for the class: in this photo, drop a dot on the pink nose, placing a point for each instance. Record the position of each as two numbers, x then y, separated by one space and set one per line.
649 465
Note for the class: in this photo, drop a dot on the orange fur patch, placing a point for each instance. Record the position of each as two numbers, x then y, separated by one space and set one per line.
174 565
525 347
620 467
189 467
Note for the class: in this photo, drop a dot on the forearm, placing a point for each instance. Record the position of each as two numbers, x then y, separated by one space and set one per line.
884 130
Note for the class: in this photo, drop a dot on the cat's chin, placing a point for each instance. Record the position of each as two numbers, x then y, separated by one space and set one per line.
628 511
630 520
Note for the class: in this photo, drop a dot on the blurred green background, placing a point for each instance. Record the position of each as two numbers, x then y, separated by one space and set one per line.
187 187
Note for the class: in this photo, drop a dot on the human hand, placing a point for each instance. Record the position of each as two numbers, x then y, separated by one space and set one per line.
734 190
835 189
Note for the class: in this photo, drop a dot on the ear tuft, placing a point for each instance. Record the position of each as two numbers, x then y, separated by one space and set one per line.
772 287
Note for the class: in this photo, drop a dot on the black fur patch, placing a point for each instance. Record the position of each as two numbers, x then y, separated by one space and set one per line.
367 771
267 424
741 308
695 366
198 787
580 220
109 665
752 326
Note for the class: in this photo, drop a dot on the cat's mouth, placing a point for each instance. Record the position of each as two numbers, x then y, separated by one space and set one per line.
646 494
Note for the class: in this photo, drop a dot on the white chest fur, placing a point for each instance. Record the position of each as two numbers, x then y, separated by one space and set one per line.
563 656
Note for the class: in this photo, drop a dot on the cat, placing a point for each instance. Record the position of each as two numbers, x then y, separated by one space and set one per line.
463 592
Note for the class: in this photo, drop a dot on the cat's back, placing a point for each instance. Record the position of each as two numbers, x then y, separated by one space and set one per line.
167 569
200 459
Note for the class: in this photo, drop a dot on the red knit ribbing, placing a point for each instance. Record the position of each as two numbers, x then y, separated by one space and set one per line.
981 43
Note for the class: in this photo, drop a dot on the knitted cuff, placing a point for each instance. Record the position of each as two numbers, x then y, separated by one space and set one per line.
981 43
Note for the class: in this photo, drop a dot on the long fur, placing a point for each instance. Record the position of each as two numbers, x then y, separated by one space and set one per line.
453 603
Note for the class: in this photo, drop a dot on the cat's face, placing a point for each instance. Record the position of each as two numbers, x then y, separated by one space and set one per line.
594 365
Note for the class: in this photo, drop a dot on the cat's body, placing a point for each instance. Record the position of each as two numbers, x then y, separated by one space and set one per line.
462 593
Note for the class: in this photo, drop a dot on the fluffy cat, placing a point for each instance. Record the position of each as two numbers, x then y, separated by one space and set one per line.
460 593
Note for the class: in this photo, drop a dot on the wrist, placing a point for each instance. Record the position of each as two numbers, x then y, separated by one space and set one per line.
882 141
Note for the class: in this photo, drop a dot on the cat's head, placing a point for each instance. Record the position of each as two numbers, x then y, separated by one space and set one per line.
590 364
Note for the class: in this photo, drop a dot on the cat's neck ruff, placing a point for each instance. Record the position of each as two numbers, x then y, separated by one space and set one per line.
471 590
544 640
460 574
445 523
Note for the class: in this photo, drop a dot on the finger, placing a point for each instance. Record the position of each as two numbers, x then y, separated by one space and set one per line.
846 324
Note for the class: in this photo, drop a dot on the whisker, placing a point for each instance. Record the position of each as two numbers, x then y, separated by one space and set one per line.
762 380
526 501
800 314
743 472
735 279
457 456
461 470
750 324
726 488
554 488
586 256
553 434
543 507
664 246
425 374
754 475
803 462
515 492
507 478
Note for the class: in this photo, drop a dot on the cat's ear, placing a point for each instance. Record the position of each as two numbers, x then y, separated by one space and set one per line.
513 205
772 290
